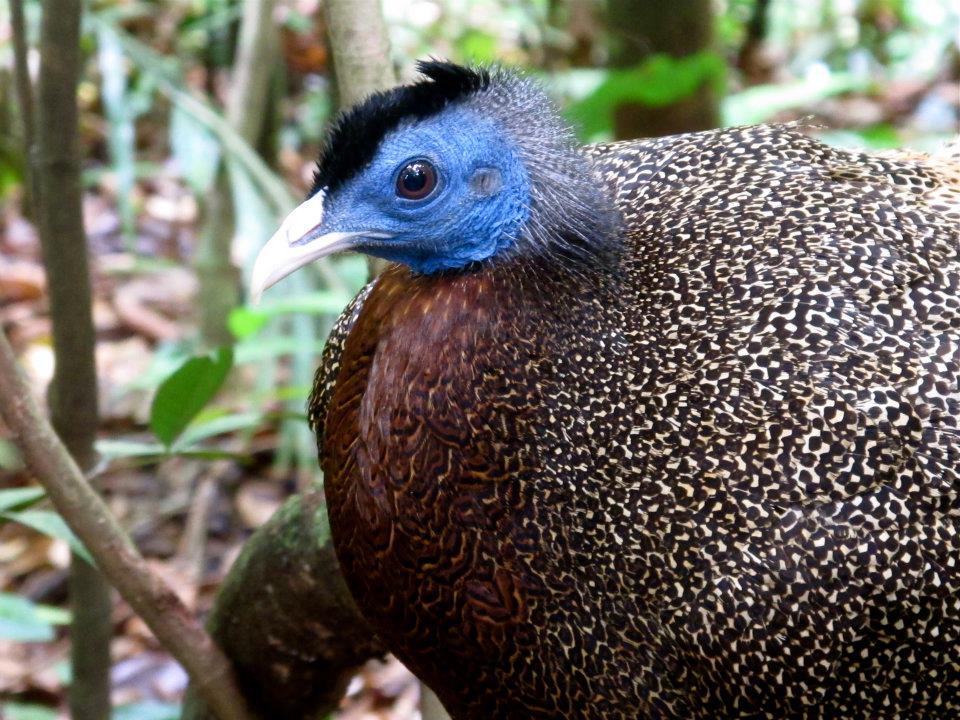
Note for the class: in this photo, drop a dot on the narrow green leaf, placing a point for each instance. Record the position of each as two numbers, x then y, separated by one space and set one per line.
26 711
762 102
185 393
195 150
52 525
147 710
16 498
246 320
20 622
221 425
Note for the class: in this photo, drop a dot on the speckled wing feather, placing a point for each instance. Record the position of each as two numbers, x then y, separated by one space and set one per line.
803 418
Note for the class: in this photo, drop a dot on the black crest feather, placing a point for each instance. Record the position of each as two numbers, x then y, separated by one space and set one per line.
355 135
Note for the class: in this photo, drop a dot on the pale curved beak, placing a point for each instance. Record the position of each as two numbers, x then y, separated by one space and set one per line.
299 241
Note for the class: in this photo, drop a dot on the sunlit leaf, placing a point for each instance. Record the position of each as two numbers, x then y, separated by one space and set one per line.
115 448
248 320
221 425
477 46
762 102
120 129
20 622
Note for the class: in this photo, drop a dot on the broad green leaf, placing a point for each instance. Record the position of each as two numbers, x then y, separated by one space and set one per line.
51 524
658 81
15 498
185 393
23 620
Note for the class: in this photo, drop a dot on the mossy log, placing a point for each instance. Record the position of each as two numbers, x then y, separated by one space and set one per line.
286 620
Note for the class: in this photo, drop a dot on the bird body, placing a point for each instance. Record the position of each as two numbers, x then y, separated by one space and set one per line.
705 468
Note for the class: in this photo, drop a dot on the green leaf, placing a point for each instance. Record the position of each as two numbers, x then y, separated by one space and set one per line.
658 81
477 46
52 525
147 453
15 498
121 134
762 102
9 456
195 150
221 425
23 620
25 711
118 448
184 394
246 321
146 710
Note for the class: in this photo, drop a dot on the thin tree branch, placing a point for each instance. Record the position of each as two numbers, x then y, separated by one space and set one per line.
89 518
361 59
22 72
361 48
72 394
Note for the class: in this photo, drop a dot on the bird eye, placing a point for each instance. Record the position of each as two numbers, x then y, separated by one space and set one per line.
416 180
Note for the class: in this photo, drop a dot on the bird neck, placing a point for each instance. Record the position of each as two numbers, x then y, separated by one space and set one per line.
573 222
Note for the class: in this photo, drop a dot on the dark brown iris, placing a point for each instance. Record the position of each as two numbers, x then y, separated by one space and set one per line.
416 180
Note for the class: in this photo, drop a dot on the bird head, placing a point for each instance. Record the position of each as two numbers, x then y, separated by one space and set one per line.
464 167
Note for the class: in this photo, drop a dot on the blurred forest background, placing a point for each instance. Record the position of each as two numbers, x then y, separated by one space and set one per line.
199 123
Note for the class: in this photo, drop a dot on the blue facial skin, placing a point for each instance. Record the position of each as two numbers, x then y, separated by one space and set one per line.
476 211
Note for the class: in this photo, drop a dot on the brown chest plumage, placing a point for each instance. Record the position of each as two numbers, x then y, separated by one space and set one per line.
429 459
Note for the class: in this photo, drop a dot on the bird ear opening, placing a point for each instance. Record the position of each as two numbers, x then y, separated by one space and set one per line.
486 181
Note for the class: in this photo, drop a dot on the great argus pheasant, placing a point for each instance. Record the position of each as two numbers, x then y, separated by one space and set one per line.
654 429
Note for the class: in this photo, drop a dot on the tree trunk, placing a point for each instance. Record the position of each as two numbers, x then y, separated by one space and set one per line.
641 28
73 392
